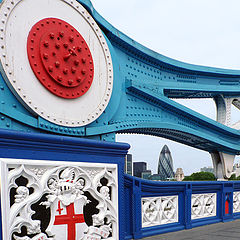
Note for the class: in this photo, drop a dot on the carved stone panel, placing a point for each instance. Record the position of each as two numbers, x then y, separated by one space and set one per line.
203 205
49 200
236 202
159 210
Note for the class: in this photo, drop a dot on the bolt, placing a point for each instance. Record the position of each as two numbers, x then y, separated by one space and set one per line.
73 69
34 34
90 61
51 35
83 60
79 49
45 43
65 45
53 53
65 70
71 38
57 45
70 82
32 40
76 62
45 56
61 34
57 64
83 72
50 68
78 79
59 78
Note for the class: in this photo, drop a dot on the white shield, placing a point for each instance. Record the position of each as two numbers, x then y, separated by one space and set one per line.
67 222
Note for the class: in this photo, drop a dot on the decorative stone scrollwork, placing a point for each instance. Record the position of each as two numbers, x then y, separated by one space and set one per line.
159 210
60 202
236 202
203 205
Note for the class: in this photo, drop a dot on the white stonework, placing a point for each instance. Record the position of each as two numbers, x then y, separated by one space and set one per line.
203 205
236 202
159 210
63 191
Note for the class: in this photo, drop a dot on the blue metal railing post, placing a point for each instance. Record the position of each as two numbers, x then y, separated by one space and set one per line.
187 211
227 202
137 210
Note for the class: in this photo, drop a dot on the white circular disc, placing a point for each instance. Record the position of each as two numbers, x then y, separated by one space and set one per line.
17 19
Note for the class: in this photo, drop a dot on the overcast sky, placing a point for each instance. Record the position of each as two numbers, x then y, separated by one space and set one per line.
200 32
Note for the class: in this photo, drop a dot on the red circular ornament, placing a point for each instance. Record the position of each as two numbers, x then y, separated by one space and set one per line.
60 58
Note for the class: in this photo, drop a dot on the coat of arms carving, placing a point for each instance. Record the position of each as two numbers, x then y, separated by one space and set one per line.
64 202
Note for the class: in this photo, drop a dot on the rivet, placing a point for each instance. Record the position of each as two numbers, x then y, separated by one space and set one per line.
57 64
50 68
2 118
65 70
46 44
79 79
57 45
76 62
8 125
32 40
79 49
53 53
45 56
70 82
83 60
2 88
83 72
59 78
73 69
71 38
51 35
2 102
14 105
65 45
61 34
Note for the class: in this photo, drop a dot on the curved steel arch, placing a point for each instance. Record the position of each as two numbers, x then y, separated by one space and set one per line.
144 82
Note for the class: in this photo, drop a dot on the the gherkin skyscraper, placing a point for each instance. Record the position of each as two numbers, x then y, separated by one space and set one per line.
165 164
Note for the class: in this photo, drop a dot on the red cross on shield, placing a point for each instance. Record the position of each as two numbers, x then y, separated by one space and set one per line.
67 222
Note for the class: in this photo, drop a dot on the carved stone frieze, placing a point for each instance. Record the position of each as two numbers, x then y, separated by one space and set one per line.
59 200
159 210
203 205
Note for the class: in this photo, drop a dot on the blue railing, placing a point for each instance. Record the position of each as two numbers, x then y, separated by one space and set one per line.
153 208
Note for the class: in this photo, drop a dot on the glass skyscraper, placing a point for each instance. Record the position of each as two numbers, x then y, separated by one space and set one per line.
165 164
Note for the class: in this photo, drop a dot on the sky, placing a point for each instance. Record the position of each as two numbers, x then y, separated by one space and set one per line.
200 32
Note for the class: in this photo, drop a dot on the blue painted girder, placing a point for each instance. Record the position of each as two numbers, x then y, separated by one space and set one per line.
147 81
144 82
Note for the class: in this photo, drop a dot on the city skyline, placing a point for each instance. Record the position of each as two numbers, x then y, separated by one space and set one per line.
209 41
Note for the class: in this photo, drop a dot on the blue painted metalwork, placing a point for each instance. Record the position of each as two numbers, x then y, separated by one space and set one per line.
14 144
144 82
136 188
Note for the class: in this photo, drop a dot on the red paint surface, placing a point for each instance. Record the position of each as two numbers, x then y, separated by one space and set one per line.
70 219
227 207
60 58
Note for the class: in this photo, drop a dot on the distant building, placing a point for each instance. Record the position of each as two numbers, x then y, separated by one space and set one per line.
165 164
179 175
146 174
207 169
138 168
156 177
129 164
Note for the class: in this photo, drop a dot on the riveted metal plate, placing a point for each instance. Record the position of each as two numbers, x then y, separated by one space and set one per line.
60 58
93 81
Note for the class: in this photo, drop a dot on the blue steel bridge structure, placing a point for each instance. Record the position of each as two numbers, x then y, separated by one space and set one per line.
145 84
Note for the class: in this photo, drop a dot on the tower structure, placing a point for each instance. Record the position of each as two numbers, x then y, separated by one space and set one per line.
165 164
